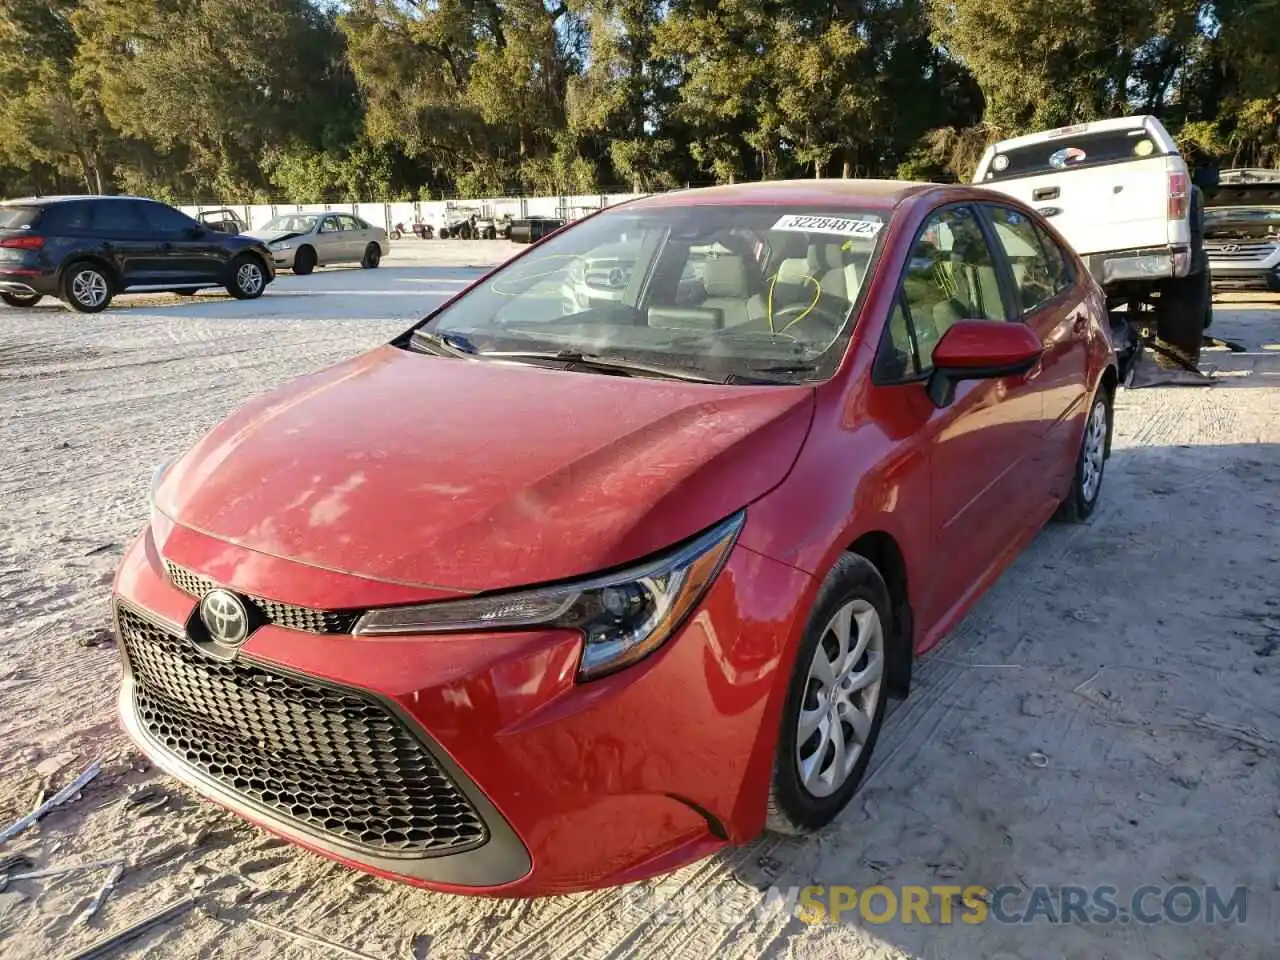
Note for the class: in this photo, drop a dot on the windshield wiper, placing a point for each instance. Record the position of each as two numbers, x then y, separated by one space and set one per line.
784 368
443 344
626 368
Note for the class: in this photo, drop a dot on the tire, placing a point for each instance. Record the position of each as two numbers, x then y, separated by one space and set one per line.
1181 313
1091 460
21 299
444 233
372 257
187 291
248 278
393 235
87 287
304 261
853 587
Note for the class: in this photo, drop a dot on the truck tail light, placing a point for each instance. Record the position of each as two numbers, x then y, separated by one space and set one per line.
1177 196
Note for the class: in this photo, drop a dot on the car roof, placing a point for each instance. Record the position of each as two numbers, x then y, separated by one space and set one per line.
67 198
873 194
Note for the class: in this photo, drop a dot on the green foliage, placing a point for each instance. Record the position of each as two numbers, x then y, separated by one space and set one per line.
304 101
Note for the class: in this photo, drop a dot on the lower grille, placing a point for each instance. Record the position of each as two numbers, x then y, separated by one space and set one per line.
333 761
290 615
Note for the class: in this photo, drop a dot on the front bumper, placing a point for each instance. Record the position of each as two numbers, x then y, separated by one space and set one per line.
578 785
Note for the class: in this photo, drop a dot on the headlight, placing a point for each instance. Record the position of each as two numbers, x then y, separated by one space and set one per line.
279 245
622 616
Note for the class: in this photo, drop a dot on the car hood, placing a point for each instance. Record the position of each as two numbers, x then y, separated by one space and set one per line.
271 236
464 476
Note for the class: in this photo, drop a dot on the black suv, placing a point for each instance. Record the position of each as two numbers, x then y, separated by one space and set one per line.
87 249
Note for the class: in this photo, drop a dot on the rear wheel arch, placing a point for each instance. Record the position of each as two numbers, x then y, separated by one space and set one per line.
1108 383
104 265
881 549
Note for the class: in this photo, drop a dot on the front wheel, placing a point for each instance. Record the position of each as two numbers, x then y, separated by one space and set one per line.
86 287
248 279
1086 482
372 256
304 261
21 299
393 235
836 702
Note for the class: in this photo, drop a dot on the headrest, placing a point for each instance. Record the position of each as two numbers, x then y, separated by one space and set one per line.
788 246
725 276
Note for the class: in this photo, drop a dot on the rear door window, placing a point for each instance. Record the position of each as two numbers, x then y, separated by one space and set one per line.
1032 273
17 218
350 223
117 217
1071 152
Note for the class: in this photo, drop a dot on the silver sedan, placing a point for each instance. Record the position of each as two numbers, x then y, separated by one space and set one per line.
303 241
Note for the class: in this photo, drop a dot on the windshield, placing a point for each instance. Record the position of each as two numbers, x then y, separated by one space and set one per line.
1080 151
292 223
714 289
17 218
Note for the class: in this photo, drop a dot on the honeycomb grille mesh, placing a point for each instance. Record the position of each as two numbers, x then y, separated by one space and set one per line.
334 761
307 619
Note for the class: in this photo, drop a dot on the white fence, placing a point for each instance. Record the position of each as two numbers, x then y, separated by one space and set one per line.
436 213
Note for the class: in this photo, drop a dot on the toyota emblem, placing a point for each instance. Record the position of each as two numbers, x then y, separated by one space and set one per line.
226 618
1230 248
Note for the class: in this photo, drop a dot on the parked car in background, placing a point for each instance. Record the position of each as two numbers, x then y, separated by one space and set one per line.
85 250
532 229
223 220
1242 229
303 241
1122 196
523 603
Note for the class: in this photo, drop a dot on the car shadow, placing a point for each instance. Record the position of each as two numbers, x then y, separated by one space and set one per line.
1103 716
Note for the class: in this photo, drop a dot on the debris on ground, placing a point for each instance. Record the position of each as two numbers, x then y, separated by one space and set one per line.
57 800
104 946
103 892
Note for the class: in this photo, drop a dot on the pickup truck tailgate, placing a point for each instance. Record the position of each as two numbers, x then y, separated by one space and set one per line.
1118 206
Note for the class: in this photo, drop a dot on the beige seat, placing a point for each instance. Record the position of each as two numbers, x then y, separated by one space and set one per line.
728 288
841 272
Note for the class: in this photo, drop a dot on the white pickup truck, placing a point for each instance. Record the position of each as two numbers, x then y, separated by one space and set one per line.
1121 195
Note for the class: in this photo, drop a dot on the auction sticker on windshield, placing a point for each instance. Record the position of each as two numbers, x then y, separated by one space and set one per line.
841 226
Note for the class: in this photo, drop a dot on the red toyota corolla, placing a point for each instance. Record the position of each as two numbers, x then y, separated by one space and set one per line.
614 559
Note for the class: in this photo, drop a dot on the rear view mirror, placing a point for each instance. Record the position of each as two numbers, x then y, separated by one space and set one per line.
980 350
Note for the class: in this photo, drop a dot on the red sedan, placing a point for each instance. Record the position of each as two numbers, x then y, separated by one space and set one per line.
615 558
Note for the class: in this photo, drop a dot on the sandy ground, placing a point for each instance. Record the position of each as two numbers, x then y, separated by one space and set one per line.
1106 715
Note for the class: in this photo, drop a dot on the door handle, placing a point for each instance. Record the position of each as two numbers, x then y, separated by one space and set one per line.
1045 193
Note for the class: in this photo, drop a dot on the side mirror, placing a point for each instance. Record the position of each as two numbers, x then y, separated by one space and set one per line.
980 350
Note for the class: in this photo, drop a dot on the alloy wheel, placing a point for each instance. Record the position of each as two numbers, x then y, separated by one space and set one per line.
842 694
1095 444
89 288
249 278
